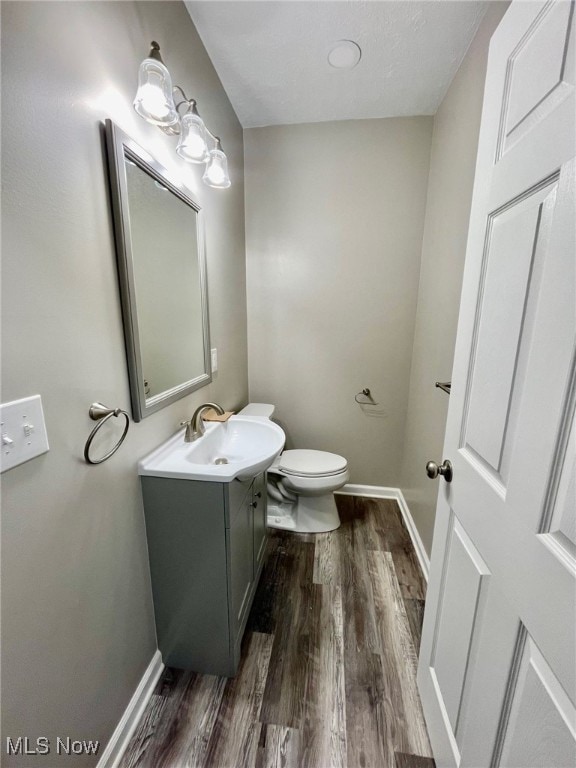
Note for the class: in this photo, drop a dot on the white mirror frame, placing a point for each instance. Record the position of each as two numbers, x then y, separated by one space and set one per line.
119 148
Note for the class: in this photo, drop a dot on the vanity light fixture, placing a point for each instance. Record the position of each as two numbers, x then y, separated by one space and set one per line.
155 103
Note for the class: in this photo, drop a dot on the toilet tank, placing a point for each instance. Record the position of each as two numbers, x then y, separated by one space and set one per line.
263 410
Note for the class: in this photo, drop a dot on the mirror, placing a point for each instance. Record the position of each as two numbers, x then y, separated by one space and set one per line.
162 272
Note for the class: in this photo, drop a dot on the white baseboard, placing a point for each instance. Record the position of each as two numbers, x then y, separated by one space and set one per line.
379 492
421 553
125 729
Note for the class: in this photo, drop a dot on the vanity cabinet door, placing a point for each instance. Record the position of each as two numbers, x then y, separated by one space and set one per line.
241 565
260 511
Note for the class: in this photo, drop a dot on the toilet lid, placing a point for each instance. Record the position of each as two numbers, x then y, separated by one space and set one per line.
308 463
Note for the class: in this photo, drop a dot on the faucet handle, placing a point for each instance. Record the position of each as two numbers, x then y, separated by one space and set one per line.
185 423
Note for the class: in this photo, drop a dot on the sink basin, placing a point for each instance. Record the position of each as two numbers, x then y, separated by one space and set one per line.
239 448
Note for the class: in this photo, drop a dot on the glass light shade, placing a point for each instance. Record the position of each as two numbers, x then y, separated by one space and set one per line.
192 145
216 173
154 101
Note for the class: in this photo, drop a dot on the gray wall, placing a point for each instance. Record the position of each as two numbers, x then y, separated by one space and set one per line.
334 218
77 625
452 164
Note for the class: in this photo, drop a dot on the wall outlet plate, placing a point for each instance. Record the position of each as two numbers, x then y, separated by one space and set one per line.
22 432
214 359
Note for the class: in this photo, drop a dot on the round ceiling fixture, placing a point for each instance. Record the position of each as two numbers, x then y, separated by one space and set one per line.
345 55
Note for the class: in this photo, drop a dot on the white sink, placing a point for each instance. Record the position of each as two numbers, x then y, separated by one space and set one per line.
239 448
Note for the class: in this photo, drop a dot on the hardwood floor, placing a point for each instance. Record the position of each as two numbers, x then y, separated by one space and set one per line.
328 671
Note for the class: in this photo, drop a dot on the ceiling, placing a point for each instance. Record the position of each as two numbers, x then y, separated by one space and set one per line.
272 55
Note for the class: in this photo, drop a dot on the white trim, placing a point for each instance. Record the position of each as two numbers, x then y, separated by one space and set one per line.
379 492
421 553
125 729
372 491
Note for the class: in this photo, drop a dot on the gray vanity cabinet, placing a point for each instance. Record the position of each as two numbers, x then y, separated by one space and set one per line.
260 531
241 563
206 543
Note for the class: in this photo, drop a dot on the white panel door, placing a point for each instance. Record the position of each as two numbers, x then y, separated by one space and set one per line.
497 670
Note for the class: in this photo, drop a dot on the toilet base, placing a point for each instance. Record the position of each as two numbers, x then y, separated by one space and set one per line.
280 516
310 514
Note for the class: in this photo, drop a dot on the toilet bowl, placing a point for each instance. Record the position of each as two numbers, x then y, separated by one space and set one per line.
301 485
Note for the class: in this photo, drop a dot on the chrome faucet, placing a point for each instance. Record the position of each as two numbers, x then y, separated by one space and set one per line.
195 427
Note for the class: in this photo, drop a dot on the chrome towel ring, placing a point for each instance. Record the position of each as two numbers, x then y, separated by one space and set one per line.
101 414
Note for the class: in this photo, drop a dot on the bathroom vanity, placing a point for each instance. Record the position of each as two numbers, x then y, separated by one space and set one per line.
206 543
205 508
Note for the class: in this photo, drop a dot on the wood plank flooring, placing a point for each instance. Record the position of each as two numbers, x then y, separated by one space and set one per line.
328 671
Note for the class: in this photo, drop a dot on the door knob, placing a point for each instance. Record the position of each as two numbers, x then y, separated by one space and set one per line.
445 469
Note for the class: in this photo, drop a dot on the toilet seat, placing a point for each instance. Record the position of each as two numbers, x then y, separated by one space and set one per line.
303 462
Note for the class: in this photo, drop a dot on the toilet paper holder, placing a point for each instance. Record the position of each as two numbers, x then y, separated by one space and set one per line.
365 393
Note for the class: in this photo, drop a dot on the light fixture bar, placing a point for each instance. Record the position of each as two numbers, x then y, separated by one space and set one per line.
156 104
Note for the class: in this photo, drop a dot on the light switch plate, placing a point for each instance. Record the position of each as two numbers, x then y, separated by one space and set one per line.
22 432
214 359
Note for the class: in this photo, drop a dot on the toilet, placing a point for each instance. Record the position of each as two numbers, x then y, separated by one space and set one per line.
301 485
